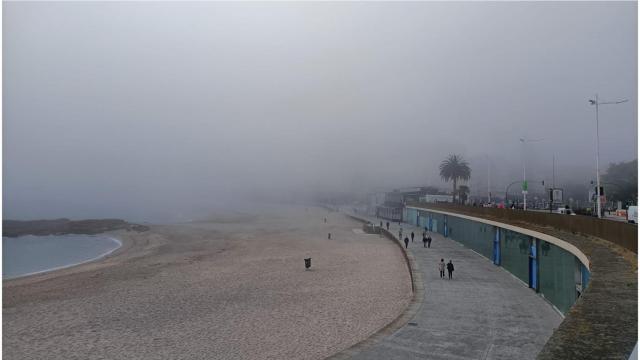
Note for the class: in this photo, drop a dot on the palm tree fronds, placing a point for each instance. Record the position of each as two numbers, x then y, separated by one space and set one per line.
454 168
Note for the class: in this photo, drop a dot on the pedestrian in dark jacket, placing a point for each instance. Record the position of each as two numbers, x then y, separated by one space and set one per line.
387 226
429 241
450 269
406 242
424 241
412 235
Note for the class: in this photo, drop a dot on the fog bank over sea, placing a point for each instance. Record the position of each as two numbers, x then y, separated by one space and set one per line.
165 110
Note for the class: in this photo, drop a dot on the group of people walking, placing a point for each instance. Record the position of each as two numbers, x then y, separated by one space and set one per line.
426 242
449 266
426 238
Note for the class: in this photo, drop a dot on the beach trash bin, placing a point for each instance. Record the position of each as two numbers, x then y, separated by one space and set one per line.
307 263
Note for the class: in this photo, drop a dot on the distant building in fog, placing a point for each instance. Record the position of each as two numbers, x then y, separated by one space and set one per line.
394 201
436 198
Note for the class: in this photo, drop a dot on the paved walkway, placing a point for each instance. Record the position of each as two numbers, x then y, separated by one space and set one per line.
483 313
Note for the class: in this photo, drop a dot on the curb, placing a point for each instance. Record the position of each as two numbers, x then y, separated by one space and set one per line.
417 288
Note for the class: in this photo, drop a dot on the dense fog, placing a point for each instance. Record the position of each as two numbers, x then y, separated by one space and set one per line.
155 111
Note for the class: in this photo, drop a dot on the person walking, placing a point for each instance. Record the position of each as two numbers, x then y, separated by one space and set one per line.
406 242
424 233
412 235
387 226
380 224
424 240
441 268
400 232
429 241
450 269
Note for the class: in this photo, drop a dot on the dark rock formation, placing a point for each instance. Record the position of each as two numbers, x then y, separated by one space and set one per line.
14 228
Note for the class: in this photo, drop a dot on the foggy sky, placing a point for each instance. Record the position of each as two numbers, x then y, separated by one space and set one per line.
137 110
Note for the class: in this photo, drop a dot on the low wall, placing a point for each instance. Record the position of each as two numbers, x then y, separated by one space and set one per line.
417 289
407 256
620 233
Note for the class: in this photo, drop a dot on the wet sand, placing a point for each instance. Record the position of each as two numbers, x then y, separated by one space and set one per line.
233 287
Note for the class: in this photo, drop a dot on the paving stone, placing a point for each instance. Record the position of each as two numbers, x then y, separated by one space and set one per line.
483 313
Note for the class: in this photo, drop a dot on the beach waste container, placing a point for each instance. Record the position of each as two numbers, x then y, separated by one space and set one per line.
307 263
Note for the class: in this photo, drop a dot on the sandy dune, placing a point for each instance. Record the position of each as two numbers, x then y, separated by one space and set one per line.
229 289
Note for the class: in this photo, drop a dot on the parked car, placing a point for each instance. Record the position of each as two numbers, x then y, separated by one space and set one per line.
565 211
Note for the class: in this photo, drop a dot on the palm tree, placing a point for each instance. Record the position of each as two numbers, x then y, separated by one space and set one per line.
454 168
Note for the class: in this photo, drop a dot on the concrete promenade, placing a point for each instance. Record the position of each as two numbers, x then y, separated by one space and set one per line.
483 313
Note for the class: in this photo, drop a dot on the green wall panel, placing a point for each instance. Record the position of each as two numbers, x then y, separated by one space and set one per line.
557 276
514 252
474 235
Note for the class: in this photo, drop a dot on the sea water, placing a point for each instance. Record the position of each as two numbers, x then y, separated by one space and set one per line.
26 255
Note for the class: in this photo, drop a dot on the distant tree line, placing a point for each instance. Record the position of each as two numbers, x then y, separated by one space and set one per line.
621 182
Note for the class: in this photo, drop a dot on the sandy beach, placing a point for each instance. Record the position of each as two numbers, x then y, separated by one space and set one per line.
230 287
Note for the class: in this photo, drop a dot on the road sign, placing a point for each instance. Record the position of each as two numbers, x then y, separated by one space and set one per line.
557 195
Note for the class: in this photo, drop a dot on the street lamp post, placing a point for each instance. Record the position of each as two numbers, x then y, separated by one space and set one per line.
597 103
524 170
506 192
488 180
620 187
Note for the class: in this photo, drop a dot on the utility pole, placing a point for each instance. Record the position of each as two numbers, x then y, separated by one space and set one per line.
524 176
598 162
554 171
553 185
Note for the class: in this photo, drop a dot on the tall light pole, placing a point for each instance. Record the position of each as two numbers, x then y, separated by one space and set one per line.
488 180
597 103
524 170
506 192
